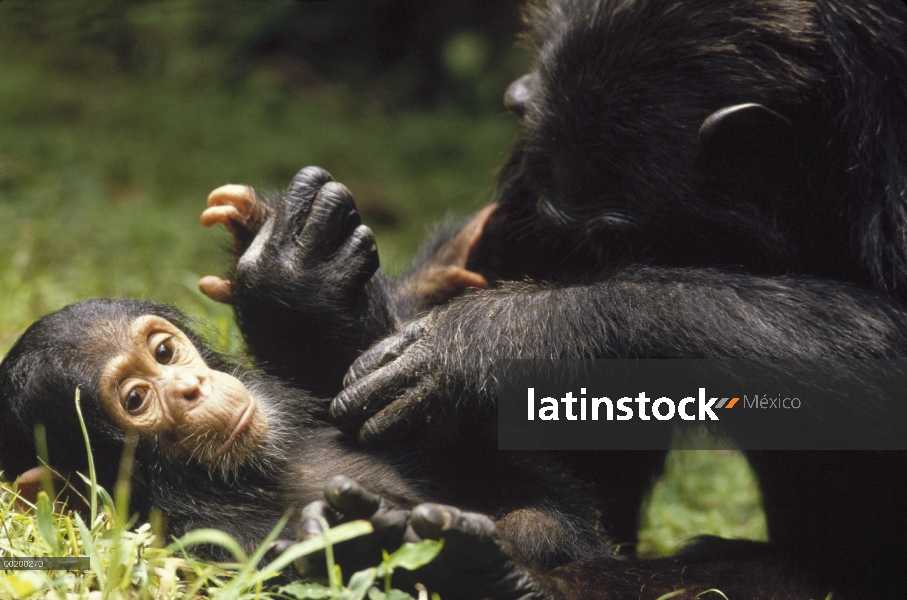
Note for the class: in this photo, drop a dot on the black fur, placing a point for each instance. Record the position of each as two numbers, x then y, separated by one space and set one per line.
303 311
610 151
649 231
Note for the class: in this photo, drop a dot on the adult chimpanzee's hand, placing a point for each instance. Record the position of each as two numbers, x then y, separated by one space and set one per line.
423 380
475 561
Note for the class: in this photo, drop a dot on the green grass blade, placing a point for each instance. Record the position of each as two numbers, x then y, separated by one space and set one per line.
44 519
91 472
338 534
209 536
91 550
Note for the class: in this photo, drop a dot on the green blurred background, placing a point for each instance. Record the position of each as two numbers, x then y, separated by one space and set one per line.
117 119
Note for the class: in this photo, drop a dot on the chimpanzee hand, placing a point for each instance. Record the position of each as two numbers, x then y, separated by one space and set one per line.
419 382
475 562
302 288
314 243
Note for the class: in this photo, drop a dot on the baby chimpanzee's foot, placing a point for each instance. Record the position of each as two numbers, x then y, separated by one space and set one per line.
239 210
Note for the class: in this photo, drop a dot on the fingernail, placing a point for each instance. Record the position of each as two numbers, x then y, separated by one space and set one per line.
432 514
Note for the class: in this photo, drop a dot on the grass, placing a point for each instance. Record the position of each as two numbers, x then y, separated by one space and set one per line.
702 492
129 562
104 169
103 172
132 560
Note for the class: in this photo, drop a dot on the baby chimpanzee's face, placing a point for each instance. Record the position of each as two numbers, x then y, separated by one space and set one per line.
160 387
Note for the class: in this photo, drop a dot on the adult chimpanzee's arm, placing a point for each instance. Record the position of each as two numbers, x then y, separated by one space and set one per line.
439 369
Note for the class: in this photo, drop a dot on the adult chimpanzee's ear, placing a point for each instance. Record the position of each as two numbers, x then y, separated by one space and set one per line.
750 148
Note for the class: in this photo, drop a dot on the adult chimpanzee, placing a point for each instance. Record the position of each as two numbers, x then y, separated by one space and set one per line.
696 179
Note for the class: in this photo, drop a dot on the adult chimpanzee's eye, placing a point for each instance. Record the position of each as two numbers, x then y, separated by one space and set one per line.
165 352
135 398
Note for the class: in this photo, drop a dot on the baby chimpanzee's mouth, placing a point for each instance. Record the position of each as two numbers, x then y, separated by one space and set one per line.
241 425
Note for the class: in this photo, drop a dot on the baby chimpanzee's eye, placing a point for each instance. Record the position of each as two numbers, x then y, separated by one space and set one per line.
135 398
165 352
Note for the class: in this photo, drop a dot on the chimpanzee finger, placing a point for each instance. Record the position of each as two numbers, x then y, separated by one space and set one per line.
239 210
332 219
470 539
375 358
310 519
475 560
359 254
310 526
390 526
357 403
346 501
399 418
227 215
241 197
346 496
293 211
235 206
276 548
219 290
384 352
